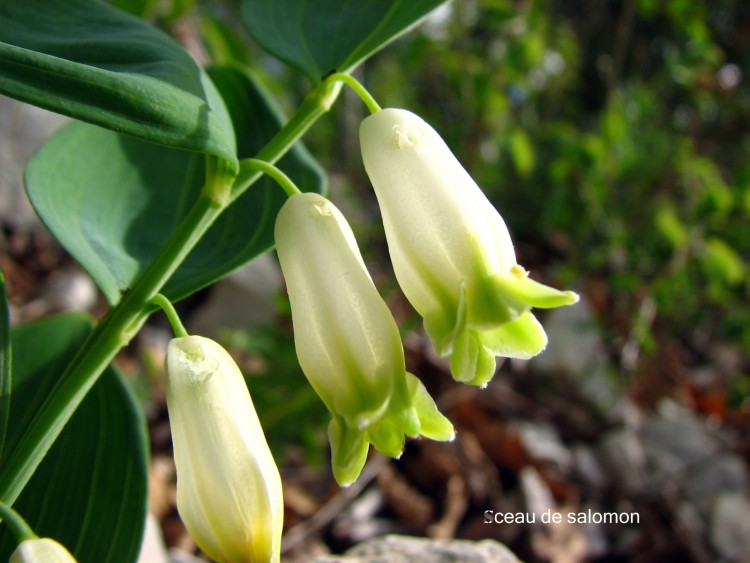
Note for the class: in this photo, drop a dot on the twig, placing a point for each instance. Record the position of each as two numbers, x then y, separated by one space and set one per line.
456 504
299 533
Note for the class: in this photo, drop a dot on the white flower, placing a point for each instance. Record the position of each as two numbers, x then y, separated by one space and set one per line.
41 550
228 487
347 341
451 250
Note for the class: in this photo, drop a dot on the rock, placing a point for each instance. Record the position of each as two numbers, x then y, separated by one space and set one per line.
686 452
404 549
730 526
623 454
69 289
726 473
360 521
177 555
576 350
587 468
542 442
676 438
24 128
539 499
690 519
243 300
153 549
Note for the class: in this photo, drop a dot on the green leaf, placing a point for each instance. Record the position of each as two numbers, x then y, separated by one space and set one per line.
224 42
245 230
112 200
522 152
325 35
5 359
670 226
90 492
93 62
723 263
139 8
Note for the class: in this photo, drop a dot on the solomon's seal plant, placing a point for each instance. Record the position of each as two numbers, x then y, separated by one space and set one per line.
160 188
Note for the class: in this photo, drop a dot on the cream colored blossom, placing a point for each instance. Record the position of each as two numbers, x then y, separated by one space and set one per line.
347 341
41 550
451 251
228 487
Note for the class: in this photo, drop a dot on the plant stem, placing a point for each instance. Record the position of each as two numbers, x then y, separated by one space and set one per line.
17 525
355 85
273 172
124 320
109 336
174 319
315 104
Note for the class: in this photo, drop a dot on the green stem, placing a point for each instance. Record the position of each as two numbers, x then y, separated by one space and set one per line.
355 85
110 335
125 319
174 319
274 172
17 525
315 104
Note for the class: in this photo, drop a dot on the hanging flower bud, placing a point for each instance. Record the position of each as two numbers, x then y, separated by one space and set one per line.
347 341
228 487
451 250
41 550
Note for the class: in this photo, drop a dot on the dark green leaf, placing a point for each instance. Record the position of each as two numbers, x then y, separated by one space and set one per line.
90 492
93 62
5 359
113 200
245 230
325 35
110 199
140 8
224 43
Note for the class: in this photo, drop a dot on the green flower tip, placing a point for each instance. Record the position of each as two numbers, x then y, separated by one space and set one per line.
516 285
411 415
499 324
